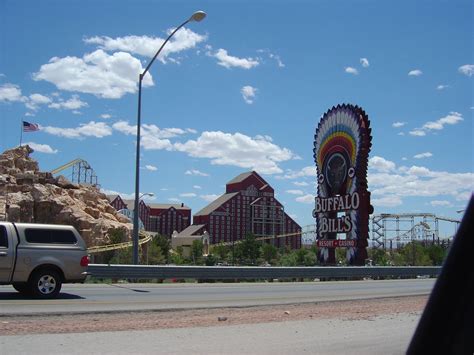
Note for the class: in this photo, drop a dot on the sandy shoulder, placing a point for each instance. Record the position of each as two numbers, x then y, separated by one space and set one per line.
149 320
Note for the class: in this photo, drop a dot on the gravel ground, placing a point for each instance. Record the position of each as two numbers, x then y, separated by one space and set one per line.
151 320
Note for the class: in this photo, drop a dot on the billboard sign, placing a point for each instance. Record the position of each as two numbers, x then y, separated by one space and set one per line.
342 206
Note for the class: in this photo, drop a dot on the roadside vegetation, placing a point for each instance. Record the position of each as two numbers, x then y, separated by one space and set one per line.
254 252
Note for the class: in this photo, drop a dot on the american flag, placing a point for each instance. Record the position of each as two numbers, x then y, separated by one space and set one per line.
30 127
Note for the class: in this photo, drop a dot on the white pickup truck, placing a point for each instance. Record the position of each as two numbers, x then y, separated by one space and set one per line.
36 259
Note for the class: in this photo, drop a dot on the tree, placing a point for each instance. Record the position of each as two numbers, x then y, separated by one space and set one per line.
196 251
210 260
248 250
379 257
115 236
122 256
436 253
309 258
290 259
221 251
178 258
412 254
268 252
155 255
165 245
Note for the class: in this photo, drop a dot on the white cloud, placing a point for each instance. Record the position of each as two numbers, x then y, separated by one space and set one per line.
278 60
195 172
294 192
11 93
306 171
273 56
398 124
146 46
442 203
248 93
389 187
351 70
464 196
209 198
174 199
42 148
105 116
91 129
74 103
308 199
387 201
418 171
151 167
417 132
467 69
188 194
39 99
380 164
423 155
35 100
98 73
228 61
442 87
237 150
152 137
197 187
451 119
300 183
364 62
416 72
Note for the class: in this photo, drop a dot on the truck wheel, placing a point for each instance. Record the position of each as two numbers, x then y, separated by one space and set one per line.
23 288
45 284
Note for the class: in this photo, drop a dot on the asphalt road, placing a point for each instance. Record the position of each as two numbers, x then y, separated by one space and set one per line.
135 297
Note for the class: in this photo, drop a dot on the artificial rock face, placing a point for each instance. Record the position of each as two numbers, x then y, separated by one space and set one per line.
30 196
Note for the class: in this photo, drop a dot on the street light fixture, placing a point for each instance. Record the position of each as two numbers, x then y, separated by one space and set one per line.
197 17
151 194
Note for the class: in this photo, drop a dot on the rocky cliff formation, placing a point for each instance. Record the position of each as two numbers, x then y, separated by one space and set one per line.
29 195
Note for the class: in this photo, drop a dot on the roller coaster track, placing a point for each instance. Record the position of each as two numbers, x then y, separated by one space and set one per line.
146 237
310 229
82 172
387 227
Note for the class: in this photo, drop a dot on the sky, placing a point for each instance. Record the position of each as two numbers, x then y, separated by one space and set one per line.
244 90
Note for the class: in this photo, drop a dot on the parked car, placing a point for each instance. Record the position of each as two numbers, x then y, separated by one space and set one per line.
36 259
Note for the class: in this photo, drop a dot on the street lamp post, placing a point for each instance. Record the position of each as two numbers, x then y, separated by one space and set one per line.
197 16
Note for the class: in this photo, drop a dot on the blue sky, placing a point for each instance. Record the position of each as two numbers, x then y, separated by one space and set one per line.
244 89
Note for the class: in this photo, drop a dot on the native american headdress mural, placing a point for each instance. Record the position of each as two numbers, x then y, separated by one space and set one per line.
341 147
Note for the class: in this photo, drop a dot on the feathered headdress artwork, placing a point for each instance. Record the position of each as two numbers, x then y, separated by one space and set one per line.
341 146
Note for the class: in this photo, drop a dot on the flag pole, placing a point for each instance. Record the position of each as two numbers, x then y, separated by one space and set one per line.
21 131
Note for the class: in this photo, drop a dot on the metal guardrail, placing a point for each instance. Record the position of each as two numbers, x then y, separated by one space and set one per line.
253 272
